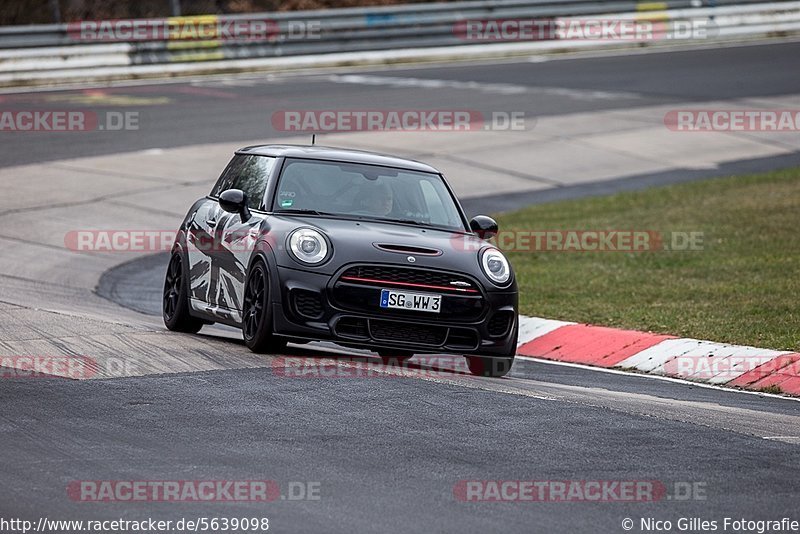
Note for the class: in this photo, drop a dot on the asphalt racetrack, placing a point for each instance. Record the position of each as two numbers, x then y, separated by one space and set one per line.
370 452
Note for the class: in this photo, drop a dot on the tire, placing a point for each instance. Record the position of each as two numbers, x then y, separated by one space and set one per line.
492 367
394 357
175 298
257 313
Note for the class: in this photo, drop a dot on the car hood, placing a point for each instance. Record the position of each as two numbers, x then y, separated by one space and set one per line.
356 241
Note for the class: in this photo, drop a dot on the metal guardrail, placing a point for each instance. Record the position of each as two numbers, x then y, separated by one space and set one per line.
39 48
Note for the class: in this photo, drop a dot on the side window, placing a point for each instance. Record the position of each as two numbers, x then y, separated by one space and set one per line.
248 173
225 180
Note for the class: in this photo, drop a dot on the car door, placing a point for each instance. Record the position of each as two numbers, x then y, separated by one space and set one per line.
200 241
234 238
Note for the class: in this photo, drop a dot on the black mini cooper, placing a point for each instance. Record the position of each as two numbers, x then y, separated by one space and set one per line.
311 243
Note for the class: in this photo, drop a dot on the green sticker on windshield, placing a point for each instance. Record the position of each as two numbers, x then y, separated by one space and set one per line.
287 203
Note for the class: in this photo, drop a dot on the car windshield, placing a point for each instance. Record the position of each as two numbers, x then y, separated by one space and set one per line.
366 191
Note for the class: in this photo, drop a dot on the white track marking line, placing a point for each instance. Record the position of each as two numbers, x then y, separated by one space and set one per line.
785 439
656 377
425 83
492 88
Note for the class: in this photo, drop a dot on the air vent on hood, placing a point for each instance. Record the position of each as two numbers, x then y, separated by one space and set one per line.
408 249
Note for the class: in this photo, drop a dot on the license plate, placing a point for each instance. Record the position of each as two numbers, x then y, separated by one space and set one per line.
404 300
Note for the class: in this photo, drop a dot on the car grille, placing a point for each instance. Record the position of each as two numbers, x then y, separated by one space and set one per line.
411 335
462 338
352 327
307 303
411 278
499 323
359 288
407 332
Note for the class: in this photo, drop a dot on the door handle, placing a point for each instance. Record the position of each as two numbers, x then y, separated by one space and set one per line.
211 222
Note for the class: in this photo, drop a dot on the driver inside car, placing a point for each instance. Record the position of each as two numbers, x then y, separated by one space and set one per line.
376 199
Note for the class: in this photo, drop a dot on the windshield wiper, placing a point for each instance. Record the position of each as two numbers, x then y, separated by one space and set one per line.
305 212
346 216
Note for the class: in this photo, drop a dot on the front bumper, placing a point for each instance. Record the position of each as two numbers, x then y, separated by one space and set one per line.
310 306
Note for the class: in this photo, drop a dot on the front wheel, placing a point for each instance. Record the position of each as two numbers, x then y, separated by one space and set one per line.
257 313
493 367
175 299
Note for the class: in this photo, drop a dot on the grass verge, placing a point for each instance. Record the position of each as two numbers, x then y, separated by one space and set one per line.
741 287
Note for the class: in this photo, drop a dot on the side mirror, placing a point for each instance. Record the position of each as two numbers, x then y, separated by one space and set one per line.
484 226
235 201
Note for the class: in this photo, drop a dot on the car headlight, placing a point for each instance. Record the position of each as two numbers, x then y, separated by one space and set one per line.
495 265
308 246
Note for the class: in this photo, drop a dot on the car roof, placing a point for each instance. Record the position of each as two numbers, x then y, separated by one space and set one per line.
336 154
